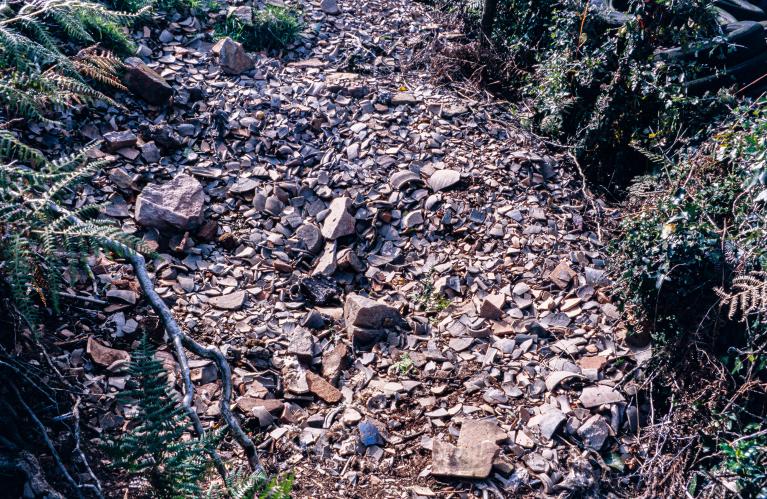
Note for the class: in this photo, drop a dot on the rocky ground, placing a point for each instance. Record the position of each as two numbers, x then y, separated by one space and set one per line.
411 290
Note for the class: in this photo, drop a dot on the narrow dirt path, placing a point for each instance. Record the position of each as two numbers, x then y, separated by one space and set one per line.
497 336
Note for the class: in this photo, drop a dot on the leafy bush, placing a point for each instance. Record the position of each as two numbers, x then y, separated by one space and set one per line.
694 237
598 87
272 27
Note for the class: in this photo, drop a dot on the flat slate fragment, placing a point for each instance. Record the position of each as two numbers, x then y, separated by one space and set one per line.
232 301
474 461
594 396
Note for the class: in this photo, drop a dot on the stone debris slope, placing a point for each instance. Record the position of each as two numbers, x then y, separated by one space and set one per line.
408 286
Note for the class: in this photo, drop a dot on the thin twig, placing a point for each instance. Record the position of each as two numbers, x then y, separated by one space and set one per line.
83 459
44 434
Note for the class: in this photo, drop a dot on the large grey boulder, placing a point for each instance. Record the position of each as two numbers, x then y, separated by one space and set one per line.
178 204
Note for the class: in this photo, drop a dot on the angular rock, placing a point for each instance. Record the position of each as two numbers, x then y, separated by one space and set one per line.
232 301
330 7
474 461
247 404
145 82
365 319
562 275
302 345
114 141
412 219
478 430
125 295
369 434
322 389
593 396
339 221
492 306
548 422
232 56
319 290
404 98
178 204
351 417
150 152
335 360
594 432
111 358
310 237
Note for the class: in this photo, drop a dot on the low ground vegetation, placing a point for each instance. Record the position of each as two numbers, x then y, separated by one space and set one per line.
271 27
687 162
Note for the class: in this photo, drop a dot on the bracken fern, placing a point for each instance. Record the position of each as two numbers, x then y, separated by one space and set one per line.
39 235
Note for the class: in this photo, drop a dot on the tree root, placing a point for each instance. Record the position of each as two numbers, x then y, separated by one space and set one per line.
51 447
26 464
181 341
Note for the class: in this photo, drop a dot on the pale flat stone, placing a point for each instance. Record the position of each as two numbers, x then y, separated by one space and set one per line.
474 461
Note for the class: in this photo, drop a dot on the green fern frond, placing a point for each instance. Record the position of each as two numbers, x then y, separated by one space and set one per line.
11 148
16 102
154 447
21 269
71 23
83 93
66 163
68 180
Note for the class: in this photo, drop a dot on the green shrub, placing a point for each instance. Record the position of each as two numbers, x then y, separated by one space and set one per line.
694 230
598 88
272 27
746 459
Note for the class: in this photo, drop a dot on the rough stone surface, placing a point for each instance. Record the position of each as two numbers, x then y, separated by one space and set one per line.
322 389
594 432
145 82
114 141
365 319
232 301
437 205
334 360
594 396
474 431
232 57
474 461
339 222
492 306
177 204
105 356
